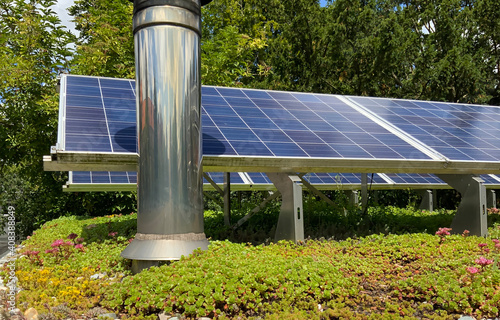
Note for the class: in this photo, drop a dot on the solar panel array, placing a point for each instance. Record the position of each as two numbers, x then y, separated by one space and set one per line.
248 178
103 177
127 181
98 116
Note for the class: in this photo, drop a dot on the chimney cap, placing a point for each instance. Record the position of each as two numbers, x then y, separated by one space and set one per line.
203 2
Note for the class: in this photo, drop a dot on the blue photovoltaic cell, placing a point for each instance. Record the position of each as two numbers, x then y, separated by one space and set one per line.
457 131
402 178
101 117
266 123
218 177
103 177
488 179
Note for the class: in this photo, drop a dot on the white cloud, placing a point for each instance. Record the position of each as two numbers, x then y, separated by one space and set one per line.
61 8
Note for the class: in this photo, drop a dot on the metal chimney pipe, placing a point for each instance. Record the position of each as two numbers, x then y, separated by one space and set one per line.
168 90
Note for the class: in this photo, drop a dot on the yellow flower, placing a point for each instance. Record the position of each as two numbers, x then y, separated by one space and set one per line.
55 281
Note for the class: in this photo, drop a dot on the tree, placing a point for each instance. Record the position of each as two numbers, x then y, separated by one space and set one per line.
450 62
33 50
233 42
105 45
487 15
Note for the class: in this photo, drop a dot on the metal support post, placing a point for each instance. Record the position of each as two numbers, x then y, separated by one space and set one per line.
353 197
291 219
227 199
364 190
375 196
491 198
471 213
427 198
434 199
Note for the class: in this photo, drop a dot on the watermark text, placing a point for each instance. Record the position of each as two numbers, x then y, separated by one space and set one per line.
11 264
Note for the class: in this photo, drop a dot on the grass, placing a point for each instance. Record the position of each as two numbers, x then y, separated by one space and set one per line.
385 264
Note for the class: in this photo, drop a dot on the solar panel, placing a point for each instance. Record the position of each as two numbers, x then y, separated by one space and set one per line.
106 177
457 131
415 179
245 181
247 122
127 181
246 130
99 115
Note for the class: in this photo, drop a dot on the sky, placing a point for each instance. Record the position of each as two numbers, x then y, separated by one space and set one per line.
61 9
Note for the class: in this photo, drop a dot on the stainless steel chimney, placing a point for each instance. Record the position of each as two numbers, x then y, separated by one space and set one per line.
170 190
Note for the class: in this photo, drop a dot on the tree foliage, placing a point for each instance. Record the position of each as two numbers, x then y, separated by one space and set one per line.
34 50
105 45
234 37
437 50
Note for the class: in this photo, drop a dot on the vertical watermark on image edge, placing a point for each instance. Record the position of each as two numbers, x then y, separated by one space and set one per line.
11 260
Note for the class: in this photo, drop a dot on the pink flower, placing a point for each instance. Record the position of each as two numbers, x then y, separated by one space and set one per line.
28 237
482 245
497 246
57 243
443 232
72 236
112 234
472 270
483 261
486 250
495 241
493 210
130 240
79 240
79 247
52 250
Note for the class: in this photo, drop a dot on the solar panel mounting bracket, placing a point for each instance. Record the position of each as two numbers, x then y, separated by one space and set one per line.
291 218
471 213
